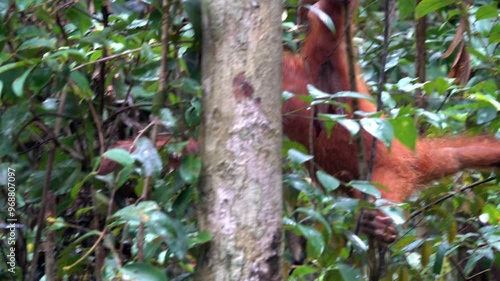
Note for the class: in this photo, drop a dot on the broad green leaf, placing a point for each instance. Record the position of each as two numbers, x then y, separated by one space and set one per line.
11 66
83 86
488 99
485 255
303 270
38 43
354 95
324 17
147 154
493 213
22 5
329 182
170 230
193 114
298 157
487 12
315 241
428 6
358 244
18 85
167 118
313 214
187 85
485 115
443 84
348 272
50 104
137 213
300 185
4 8
350 125
379 128
287 145
316 93
199 238
76 54
286 95
81 20
406 8
413 245
120 156
405 131
440 254
190 168
142 272
365 187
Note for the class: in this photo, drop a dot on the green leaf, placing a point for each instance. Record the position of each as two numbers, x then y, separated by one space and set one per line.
11 66
329 182
298 157
443 84
187 85
200 238
137 213
193 114
18 84
324 17
405 131
348 272
146 153
478 256
353 95
120 156
379 128
303 270
406 8
168 118
440 254
22 5
4 8
316 93
350 125
142 272
190 168
76 54
487 12
485 115
315 241
300 185
365 187
311 213
487 98
285 95
493 213
170 230
429 6
83 86
358 244
81 20
38 43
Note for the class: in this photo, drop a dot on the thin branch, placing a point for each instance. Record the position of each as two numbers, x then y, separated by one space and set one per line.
381 80
448 196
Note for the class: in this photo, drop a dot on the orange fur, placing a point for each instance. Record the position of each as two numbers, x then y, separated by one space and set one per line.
323 63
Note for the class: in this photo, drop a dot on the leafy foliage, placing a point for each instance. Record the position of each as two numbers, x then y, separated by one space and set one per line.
76 77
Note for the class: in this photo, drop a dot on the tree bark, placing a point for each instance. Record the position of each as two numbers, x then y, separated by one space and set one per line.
241 193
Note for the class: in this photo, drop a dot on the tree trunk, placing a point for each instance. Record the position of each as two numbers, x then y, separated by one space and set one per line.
241 198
